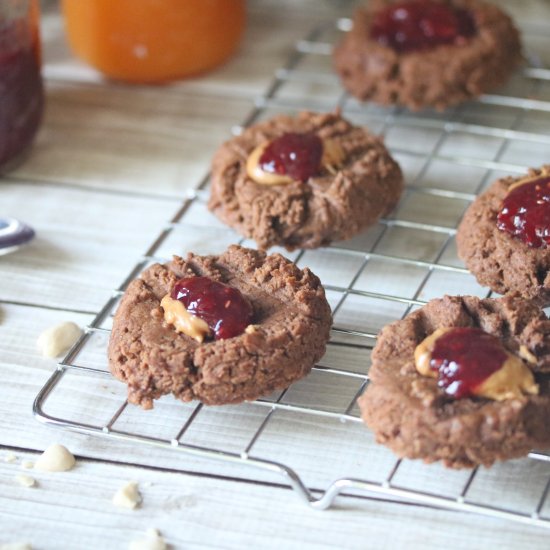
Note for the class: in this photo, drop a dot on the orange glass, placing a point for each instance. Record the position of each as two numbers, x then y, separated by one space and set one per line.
154 40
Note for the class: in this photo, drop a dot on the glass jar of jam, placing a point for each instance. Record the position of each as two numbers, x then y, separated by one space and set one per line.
21 91
152 41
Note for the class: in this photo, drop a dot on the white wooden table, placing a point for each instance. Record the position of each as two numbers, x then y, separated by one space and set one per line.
108 171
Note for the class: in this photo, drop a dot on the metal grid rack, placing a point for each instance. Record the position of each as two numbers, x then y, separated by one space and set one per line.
373 279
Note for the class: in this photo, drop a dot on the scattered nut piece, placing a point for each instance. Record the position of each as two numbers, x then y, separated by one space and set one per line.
128 496
152 541
251 329
10 458
56 340
16 546
55 458
26 481
27 464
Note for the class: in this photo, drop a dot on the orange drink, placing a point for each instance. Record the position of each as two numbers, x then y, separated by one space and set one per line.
153 40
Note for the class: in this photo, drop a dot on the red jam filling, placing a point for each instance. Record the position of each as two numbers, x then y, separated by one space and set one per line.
421 25
223 308
464 358
295 155
525 213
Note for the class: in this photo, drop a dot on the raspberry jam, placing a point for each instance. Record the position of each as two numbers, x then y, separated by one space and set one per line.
295 155
464 358
223 308
21 92
525 213
421 25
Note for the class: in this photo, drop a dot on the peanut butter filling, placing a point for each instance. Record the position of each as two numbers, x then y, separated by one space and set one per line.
545 172
333 157
513 380
175 314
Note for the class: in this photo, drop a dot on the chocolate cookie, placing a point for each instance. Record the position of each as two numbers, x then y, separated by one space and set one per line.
336 179
427 53
498 259
288 329
414 416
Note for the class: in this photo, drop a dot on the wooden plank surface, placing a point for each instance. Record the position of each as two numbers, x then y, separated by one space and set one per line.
163 151
110 167
73 510
86 243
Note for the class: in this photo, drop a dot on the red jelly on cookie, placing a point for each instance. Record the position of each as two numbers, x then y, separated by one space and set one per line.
470 362
421 25
295 155
525 212
224 309
209 307
464 358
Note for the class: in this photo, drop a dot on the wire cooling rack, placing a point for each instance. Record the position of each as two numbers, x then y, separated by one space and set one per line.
310 436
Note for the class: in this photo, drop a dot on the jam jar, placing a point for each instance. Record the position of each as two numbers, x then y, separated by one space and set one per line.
21 90
153 41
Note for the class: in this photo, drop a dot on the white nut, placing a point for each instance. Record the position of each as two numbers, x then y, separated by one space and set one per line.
10 458
128 496
27 464
26 481
152 541
56 340
55 458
